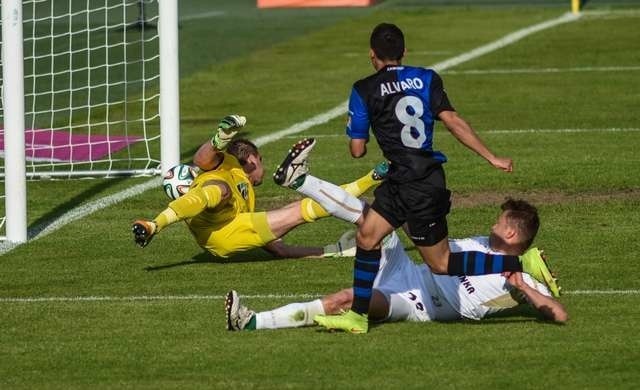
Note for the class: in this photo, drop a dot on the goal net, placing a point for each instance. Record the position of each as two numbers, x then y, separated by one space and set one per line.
91 88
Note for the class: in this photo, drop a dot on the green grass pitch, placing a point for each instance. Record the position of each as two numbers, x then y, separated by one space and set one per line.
82 307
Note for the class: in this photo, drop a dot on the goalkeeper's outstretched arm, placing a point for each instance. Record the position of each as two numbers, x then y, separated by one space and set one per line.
209 155
345 247
281 250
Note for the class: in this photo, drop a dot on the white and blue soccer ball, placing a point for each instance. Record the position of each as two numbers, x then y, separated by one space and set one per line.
178 180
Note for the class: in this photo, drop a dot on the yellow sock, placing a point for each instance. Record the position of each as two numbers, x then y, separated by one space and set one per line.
311 210
361 185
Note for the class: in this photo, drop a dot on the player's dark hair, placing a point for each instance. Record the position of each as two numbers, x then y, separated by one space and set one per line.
525 217
241 149
387 41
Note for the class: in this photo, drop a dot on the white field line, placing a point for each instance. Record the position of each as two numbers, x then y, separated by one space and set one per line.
196 297
602 292
612 14
203 15
341 109
543 70
504 41
82 211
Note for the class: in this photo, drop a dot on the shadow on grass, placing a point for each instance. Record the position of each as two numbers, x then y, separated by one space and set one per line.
251 256
518 314
52 216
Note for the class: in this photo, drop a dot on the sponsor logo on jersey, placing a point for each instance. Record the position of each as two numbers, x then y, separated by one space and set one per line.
466 284
243 188
414 298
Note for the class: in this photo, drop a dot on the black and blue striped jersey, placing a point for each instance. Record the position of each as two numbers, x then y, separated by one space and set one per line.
400 104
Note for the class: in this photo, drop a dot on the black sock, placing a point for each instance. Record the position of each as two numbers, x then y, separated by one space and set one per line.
365 269
479 263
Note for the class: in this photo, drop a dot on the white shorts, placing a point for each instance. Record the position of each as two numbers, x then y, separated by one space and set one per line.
409 288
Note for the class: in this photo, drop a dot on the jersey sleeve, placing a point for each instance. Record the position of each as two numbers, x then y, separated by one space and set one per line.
471 244
439 99
358 124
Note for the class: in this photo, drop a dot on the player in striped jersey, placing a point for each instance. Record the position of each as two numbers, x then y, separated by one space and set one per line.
406 291
403 290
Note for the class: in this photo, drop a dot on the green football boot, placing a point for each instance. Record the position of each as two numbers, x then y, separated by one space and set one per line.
349 321
534 264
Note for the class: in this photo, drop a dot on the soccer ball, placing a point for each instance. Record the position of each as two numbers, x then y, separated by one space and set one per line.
177 180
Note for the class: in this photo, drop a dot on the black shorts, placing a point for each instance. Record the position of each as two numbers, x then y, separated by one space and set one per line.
423 204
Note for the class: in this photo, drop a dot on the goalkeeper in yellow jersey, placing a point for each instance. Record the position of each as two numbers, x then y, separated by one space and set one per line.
219 207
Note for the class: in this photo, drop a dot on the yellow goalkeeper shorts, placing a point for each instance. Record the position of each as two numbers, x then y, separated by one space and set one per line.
246 231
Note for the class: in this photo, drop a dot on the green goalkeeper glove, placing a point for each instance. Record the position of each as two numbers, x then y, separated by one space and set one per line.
227 129
345 247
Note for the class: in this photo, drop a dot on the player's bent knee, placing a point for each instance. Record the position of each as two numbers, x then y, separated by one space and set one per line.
366 241
379 308
437 266
441 269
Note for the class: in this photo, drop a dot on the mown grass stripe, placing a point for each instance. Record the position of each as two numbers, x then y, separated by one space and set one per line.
516 131
595 130
505 41
252 296
341 109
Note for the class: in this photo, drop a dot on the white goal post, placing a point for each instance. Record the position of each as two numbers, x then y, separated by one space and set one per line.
15 196
89 88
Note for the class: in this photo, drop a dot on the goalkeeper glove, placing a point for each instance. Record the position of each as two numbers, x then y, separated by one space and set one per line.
143 231
345 247
227 129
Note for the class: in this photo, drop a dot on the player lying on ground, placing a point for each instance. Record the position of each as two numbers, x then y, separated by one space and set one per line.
407 291
471 262
219 206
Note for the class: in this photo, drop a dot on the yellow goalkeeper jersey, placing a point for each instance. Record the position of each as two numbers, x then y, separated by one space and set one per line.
242 198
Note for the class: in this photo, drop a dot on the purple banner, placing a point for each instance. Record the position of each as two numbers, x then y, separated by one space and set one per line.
60 145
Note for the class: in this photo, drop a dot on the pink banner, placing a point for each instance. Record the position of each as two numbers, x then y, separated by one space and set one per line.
60 145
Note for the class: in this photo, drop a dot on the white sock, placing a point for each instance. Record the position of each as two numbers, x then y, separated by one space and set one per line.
290 316
332 198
